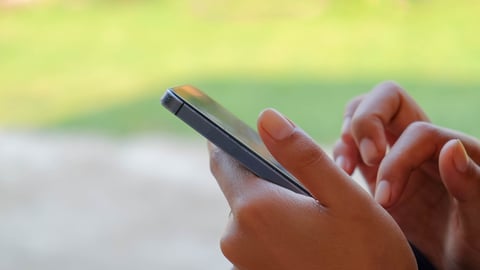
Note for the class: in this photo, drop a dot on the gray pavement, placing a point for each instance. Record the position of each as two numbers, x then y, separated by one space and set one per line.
87 202
71 201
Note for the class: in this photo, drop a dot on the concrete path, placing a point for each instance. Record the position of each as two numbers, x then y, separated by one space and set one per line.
88 202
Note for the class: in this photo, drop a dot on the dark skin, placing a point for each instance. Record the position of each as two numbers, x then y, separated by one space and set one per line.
271 227
428 179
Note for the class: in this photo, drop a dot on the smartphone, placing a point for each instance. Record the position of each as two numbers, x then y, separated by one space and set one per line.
229 133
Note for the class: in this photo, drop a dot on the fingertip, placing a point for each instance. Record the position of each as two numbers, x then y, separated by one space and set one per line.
461 159
345 156
383 193
455 167
343 163
369 152
277 126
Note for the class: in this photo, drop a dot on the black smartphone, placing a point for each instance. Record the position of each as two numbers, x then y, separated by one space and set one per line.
229 133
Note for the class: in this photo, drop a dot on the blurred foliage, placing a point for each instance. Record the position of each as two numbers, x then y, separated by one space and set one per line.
103 65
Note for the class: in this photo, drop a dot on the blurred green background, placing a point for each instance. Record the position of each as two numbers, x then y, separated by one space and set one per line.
102 66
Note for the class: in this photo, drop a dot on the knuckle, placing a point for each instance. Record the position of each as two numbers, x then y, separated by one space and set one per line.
302 154
251 211
251 219
229 245
365 123
390 85
309 156
421 130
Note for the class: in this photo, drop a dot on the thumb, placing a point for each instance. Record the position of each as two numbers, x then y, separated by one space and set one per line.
303 158
459 173
461 177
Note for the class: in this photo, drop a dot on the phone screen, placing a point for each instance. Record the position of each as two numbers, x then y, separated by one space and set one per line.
222 117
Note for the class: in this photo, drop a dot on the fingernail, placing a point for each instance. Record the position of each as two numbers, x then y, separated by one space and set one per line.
461 159
369 151
276 125
346 124
342 162
383 192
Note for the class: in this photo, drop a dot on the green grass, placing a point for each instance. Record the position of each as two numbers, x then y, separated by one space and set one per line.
316 105
103 65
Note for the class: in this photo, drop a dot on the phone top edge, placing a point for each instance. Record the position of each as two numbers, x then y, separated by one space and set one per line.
171 101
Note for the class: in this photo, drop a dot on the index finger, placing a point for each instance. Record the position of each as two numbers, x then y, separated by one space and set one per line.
419 145
386 111
304 159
